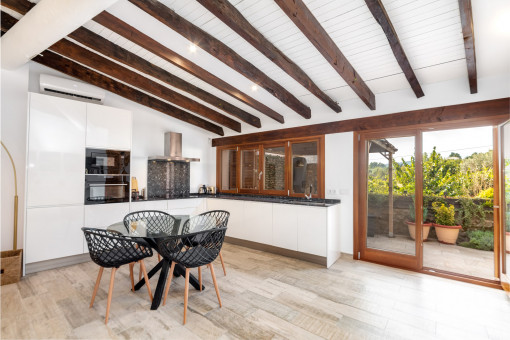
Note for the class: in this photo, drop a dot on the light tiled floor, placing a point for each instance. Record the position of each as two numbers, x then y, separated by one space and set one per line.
264 296
474 262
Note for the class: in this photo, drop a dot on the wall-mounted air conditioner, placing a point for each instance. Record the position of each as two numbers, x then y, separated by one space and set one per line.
71 89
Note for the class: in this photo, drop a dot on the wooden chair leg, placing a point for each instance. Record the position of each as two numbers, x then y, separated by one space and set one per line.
96 286
140 271
131 266
159 258
223 264
186 289
211 267
169 281
142 265
110 294
200 277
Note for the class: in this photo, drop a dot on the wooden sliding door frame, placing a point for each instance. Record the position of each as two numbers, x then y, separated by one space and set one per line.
219 163
359 154
385 256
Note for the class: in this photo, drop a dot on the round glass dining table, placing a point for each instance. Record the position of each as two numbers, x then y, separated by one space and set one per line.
163 265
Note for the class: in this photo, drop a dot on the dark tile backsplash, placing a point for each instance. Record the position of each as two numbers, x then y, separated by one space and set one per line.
167 179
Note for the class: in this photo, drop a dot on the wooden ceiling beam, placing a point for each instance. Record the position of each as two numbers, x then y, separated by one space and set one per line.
222 52
379 12
92 60
468 32
82 73
111 50
487 112
123 29
227 13
297 11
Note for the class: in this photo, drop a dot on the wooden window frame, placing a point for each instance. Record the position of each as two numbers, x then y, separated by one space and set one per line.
218 169
261 146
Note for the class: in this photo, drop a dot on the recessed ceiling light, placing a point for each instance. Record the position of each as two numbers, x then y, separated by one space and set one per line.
192 48
254 87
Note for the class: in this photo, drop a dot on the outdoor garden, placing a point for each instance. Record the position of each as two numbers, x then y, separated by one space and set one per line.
458 198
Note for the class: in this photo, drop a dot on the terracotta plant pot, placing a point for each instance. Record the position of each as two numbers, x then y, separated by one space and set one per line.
412 230
507 242
447 233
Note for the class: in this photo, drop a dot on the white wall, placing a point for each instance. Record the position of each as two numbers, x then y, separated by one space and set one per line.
339 182
14 86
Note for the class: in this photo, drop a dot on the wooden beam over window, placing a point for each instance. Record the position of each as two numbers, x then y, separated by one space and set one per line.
466 19
297 11
380 14
227 13
222 52
488 112
123 29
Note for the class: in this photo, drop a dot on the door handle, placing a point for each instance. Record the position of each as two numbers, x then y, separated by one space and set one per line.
260 175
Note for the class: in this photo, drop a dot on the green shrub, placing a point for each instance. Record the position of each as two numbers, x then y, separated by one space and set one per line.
444 215
480 239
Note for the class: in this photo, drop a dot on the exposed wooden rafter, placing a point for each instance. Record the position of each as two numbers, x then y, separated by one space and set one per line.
95 61
380 14
222 52
466 19
85 74
297 11
123 29
111 50
227 13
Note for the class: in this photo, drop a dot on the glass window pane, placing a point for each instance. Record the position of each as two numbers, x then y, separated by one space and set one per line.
250 169
228 169
304 168
274 168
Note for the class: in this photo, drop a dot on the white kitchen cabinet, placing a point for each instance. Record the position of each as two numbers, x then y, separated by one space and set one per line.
102 215
53 232
56 151
258 222
187 206
160 205
108 127
285 226
312 230
236 221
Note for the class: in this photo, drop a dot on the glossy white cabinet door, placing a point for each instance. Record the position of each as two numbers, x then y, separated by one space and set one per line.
148 205
285 226
312 230
235 226
108 127
257 224
53 232
102 215
56 151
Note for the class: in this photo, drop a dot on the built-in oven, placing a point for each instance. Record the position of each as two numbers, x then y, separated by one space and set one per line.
111 162
100 189
106 176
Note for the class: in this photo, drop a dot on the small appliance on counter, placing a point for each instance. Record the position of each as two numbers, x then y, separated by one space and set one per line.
135 194
211 190
202 190
106 176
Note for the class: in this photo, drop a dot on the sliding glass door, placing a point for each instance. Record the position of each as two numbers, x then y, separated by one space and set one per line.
389 190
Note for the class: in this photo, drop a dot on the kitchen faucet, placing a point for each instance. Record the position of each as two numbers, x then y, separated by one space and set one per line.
309 196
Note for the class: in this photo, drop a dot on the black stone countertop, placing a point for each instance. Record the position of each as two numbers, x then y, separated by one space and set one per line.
314 202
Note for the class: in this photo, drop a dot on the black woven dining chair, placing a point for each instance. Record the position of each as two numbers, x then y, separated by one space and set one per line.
154 221
207 220
111 250
185 251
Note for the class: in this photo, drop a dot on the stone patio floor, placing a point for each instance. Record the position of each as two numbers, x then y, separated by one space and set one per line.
452 258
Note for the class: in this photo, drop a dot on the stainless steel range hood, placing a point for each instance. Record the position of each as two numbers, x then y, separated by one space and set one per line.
173 150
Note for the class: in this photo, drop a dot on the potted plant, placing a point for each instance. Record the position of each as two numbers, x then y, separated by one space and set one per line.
412 223
447 230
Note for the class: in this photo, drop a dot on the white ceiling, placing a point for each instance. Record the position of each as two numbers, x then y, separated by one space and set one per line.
429 30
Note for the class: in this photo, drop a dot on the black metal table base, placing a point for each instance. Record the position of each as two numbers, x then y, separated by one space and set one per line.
164 265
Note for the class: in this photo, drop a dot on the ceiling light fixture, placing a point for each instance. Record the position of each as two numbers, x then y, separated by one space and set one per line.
254 87
192 48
